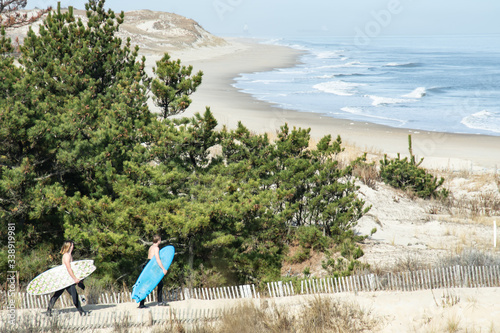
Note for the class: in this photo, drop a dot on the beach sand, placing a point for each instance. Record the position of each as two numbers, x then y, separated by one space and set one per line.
221 65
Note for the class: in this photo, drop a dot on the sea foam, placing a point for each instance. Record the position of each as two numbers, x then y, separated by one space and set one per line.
417 93
386 120
339 88
408 64
483 120
330 54
345 65
378 100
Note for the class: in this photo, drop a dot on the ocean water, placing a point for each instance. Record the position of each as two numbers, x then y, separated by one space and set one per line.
437 83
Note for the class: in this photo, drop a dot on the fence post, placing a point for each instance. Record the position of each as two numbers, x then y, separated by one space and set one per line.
420 276
468 278
476 277
287 289
495 234
254 292
490 276
497 275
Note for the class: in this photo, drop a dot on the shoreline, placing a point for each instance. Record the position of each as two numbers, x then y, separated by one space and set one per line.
229 105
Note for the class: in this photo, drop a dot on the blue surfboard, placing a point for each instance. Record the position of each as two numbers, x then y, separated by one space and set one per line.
152 274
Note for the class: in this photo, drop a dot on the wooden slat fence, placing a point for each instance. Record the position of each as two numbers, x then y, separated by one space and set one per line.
233 292
98 320
446 277
280 289
27 301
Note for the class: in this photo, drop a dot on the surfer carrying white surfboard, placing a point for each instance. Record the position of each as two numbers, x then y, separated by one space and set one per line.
154 251
67 258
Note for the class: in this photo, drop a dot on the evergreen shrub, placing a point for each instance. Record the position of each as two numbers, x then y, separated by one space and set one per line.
406 174
311 237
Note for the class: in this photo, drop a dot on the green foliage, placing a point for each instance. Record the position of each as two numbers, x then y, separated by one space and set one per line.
311 237
73 117
407 174
342 267
313 188
347 262
173 85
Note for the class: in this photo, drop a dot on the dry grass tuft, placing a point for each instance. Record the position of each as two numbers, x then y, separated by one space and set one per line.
327 315
469 257
473 196
409 263
27 324
318 315
368 174
452 324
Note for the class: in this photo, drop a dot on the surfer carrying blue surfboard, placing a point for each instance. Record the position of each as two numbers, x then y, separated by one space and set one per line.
154 252
67 258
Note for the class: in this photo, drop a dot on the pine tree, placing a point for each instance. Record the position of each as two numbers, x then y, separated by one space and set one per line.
72 118
173 86
407 174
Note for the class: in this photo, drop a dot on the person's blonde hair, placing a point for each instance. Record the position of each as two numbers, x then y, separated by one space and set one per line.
66 246
156 238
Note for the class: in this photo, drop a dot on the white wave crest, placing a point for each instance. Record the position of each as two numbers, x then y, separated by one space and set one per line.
360 112
263 81
346 65
352 110
417 93
407 64
339 88
330 54
483 120
377 100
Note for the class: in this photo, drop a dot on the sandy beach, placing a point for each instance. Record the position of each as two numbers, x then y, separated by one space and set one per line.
222 64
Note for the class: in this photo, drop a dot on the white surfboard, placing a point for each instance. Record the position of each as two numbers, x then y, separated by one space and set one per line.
58 278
